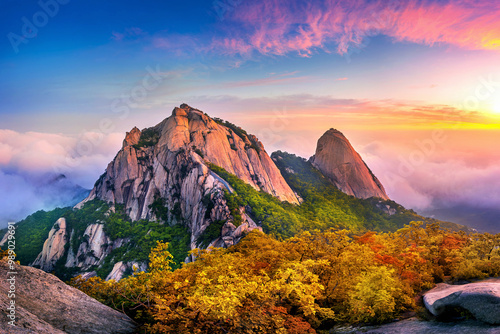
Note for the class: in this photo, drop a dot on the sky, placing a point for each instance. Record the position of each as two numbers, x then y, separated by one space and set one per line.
414 85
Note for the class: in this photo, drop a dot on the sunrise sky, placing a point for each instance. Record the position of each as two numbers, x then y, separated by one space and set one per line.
414 85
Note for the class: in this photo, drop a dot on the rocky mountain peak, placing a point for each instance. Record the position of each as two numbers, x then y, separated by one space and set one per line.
333 131
169 163
344 167
132 137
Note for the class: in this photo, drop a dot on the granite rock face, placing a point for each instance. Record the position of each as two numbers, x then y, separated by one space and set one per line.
46 305
120 269
482 299
417 326
95 246
53 247
168 165
342 165
170 161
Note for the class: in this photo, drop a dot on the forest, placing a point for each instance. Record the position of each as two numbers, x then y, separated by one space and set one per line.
304 284
334 259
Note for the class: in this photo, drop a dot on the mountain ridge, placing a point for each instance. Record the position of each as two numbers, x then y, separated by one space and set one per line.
195 182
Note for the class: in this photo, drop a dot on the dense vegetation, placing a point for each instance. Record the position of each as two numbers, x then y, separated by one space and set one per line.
212 232
32 232
332 259
149 137
327 205
305 284
239 132
323 206
140 236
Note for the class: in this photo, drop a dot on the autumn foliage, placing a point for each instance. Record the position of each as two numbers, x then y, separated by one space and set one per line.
304 284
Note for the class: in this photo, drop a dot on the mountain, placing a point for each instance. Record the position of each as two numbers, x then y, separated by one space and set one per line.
165 160
168 166
483 219
195 181
337 160
36 191
161 178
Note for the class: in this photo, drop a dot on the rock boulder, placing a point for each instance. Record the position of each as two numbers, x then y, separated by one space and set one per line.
44 304
482 299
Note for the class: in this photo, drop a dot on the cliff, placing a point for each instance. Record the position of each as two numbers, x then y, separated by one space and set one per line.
165 178
53 248
163 174
170 162
343 166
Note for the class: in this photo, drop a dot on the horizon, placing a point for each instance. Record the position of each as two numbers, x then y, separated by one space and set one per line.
414 86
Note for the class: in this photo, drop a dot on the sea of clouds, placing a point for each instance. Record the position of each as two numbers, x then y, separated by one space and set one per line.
43 171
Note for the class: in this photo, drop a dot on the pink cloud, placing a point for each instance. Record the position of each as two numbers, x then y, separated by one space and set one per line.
303 27
81 158
31 164
231 46
422 176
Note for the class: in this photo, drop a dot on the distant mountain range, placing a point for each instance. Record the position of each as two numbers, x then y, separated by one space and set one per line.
482 219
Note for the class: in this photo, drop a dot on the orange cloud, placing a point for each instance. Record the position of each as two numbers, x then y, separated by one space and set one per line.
279 27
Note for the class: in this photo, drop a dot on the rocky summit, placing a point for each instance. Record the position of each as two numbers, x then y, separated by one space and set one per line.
337 160
153 161
171 161
168 166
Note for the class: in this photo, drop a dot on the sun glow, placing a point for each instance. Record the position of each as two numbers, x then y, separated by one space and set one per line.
495 106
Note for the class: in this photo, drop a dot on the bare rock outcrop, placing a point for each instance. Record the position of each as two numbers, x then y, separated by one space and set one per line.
121 268
170 162
168 166
343 166
46 305
53 247
4 239
418 326
132 137
482 299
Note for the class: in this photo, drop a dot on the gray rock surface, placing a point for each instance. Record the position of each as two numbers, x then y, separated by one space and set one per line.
44 304
482 299
175 168
170 162
120 269
53 247
416 326
343 166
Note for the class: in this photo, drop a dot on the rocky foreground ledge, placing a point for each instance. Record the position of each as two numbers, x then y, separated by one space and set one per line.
46 305
481 299
418 326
